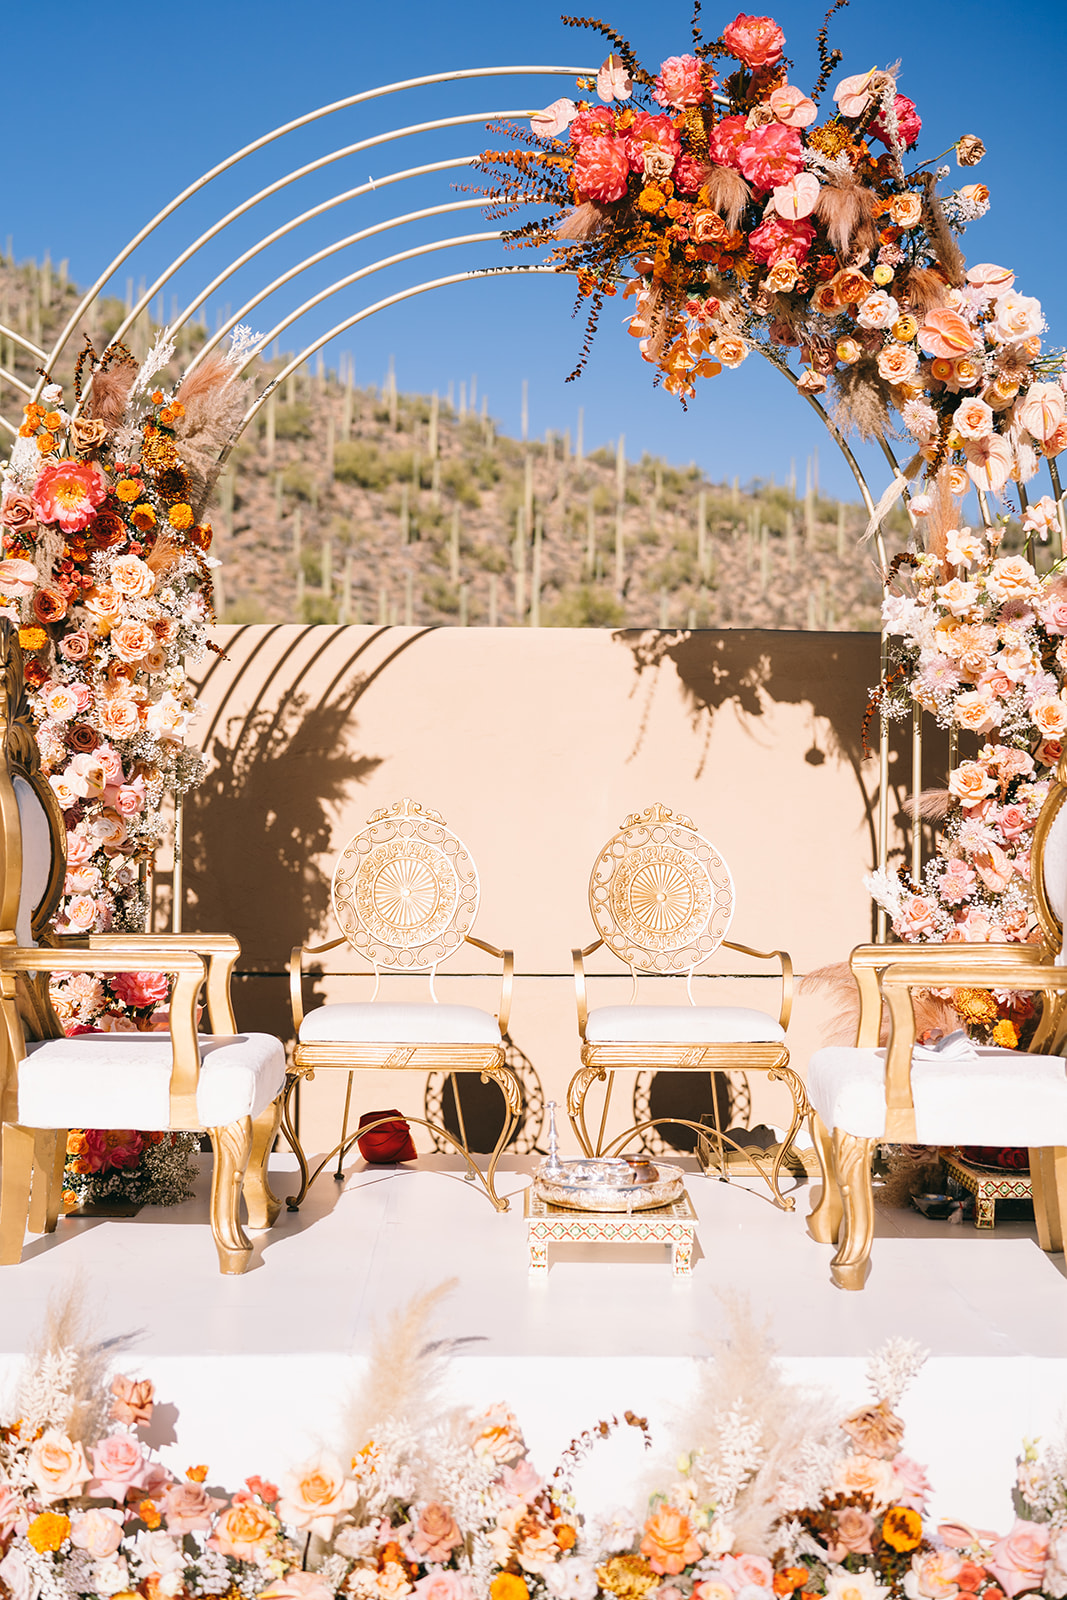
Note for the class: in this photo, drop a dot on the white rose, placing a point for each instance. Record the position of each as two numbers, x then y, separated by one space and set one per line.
879 310
1018 317
111 1577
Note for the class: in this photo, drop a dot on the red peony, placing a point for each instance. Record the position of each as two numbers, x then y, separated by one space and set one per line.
647 130
780 240
112 1147
139 990
69 492
679 82
592 120
601 169
757 41
725 141
689 173
909 123
771 155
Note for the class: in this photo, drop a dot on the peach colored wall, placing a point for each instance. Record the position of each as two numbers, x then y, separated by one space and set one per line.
534 744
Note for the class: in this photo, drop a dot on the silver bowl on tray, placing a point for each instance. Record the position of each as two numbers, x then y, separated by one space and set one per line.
606 1184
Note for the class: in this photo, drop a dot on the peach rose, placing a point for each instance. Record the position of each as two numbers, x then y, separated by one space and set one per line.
245 1532
1011 578
297 1585
134 1400
132 577
17 513
858 1474
933 1577
976 712
436 1533
669 1543
730 350
132 640
915 917
75 646
443 1586
1049 716
853 1529
973 420
898 363
97 1532
315 1494
957 596
1018 317
103 604
56 1464
945 333
783 276
970 783
119 716
1018 1560
906 210
167 720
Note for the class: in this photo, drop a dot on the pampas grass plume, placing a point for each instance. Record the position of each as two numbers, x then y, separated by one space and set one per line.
110 391
726 192
404 1375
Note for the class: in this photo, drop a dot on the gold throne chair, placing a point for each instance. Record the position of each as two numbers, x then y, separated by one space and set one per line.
405 896
226 1083
662 900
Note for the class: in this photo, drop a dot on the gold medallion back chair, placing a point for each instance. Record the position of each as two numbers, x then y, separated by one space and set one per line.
226 1083
662 900
405 896
958 1095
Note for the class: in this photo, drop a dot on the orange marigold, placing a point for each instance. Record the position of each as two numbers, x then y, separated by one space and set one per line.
127 490
651 199
48 1531
1006 1034
181 515
902 1528
143 517
508 1586
32 638
788 1579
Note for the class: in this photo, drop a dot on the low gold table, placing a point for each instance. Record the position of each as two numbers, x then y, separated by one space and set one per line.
988 1186
673 1224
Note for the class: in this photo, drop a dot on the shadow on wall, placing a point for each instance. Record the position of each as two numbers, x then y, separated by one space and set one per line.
742 667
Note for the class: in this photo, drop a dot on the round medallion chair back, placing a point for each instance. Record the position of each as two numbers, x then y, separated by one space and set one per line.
662 900
405 896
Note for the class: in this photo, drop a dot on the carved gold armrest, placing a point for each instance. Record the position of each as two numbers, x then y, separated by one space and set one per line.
507 978
220 949
949 971
785 962
578 957
868 960
189 976
296 974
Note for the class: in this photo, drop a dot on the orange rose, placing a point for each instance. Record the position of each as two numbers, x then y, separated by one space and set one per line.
669 1541
244 1532
851 286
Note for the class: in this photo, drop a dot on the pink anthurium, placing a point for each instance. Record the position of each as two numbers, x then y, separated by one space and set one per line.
792 107
853 95
796 198
613 82
551 122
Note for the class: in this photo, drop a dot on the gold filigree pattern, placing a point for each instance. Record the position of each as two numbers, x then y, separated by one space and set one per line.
405 891
660 894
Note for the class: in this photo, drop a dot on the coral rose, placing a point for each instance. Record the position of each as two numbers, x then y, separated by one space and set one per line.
591 120
756 41
602 169
315 1494
689 174
245 1532
57 1467
69 493
945 333
679 82
778 240
1018 1560
771 156
669 1543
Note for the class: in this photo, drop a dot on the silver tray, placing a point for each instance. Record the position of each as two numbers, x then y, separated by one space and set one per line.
607 1186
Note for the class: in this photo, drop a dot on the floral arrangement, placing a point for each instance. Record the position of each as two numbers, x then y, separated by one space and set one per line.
105 571
446 1505
739 215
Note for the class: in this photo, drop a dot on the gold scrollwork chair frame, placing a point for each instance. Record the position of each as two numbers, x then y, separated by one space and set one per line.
31 1180
405 895
659 870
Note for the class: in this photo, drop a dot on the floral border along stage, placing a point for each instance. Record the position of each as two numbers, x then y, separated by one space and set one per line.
777 1497
105 569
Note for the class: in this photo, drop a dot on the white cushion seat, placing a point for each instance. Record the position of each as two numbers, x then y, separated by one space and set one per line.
388 1022
122 1080
989 1096
682 1025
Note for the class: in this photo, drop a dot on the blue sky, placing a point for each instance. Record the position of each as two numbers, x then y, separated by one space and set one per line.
140 101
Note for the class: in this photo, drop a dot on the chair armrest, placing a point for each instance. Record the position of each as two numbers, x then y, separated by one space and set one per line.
950 971
189 976
785 962
868 960
221 950
296 974
507 978
577 958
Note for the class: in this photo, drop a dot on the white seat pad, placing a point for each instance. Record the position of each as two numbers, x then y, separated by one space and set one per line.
386 1022
681 1025
122 1080
1005 1097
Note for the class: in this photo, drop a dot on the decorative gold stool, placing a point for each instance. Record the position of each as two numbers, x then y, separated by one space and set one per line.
673 1225
988 1187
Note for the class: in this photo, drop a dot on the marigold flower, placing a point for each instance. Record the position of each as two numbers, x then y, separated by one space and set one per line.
902 1528
46 443
627 1577
143 517
651 199
508 1586
48 1531
975 1006
127 490
32 638
1006 1034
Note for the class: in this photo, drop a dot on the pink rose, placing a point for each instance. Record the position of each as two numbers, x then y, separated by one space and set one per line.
1013 822
756 41
1018 1561
679 82
972 928
909 123
651 132
740 1571
771 155
139 990
129 799
116 1149
189 1508
11 1511
436 1533
911 1486
602 169
780 240
443 1585
1052 609
17 513
75 646
119 1466
522 1482
915 918
97 1532
725 141
111 762
297 1585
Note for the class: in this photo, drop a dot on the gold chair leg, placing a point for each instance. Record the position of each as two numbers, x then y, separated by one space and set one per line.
262 1203
824 1218
292 1083
15 1179
46 1184
852 1168
232 1146
1048 1175
512 1092
577 1090
604 1114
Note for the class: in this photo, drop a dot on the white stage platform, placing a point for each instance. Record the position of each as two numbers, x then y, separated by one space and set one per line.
255 1365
